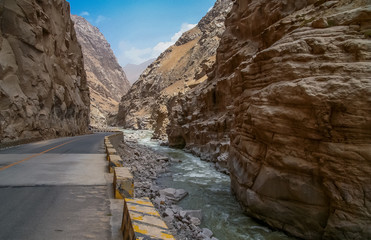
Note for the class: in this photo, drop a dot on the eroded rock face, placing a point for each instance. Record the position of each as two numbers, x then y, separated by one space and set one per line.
43 90
179 69
290 91
106 78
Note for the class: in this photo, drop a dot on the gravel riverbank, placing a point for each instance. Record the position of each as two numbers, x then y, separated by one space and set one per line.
146 165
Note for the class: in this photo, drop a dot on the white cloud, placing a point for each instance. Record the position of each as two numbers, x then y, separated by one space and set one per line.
209 9
84 13
136 55
185 27
100 19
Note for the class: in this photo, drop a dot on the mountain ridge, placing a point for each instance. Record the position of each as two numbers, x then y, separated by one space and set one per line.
177 70
133 71
106 79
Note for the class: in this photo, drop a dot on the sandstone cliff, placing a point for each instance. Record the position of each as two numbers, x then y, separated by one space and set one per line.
106 78
43 90
179 69
291 93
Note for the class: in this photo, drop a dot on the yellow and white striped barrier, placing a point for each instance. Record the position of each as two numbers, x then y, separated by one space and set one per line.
114 161
123 183
110 151
142 221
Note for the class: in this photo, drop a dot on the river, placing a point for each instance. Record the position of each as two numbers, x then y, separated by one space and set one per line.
209 190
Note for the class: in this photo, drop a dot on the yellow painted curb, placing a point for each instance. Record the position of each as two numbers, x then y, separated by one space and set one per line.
114 161
142 221
123 183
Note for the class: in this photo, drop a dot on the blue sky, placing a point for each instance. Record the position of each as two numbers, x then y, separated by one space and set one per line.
141 29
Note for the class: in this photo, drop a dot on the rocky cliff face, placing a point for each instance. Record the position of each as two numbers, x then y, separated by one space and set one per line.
43 90
106 78
290 92
179 69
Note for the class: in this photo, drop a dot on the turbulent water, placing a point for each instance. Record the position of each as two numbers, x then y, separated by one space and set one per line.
209 190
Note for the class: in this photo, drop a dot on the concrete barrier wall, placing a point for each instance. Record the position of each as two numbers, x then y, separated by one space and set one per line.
123 183
127 228
140 218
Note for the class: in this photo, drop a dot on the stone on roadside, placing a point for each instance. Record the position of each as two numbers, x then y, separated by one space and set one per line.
168 219
207 232
176 208
168 215
183 214
195 214
169 212
154 188
162 159
159 201
174 194
195 221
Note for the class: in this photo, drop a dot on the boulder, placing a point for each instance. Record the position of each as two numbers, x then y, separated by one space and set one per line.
173 194
194 214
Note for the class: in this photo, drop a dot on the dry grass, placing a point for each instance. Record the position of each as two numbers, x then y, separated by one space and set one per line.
193 83
176 87
176 55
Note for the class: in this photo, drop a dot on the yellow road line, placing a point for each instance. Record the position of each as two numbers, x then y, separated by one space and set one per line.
35 155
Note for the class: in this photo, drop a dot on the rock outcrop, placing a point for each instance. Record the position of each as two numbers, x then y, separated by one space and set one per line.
106 78
289 102
179 69
43 90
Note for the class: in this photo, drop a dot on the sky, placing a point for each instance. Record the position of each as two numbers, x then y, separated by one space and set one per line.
138 30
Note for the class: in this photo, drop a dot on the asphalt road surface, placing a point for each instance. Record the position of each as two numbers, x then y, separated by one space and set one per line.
55 189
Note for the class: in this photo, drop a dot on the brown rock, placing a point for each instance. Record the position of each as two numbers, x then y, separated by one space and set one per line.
320 23
290 101
106 78
43 90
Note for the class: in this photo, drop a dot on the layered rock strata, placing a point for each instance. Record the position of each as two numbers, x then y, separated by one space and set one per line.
106 78
290 91
43 90
179 69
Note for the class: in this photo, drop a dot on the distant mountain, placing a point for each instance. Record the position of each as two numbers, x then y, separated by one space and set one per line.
106 78
133 71
176 71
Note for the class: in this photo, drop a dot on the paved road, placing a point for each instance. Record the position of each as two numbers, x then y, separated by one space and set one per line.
55 189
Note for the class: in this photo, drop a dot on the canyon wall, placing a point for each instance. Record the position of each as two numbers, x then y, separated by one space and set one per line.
179 69
43 89
287 108
106 78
